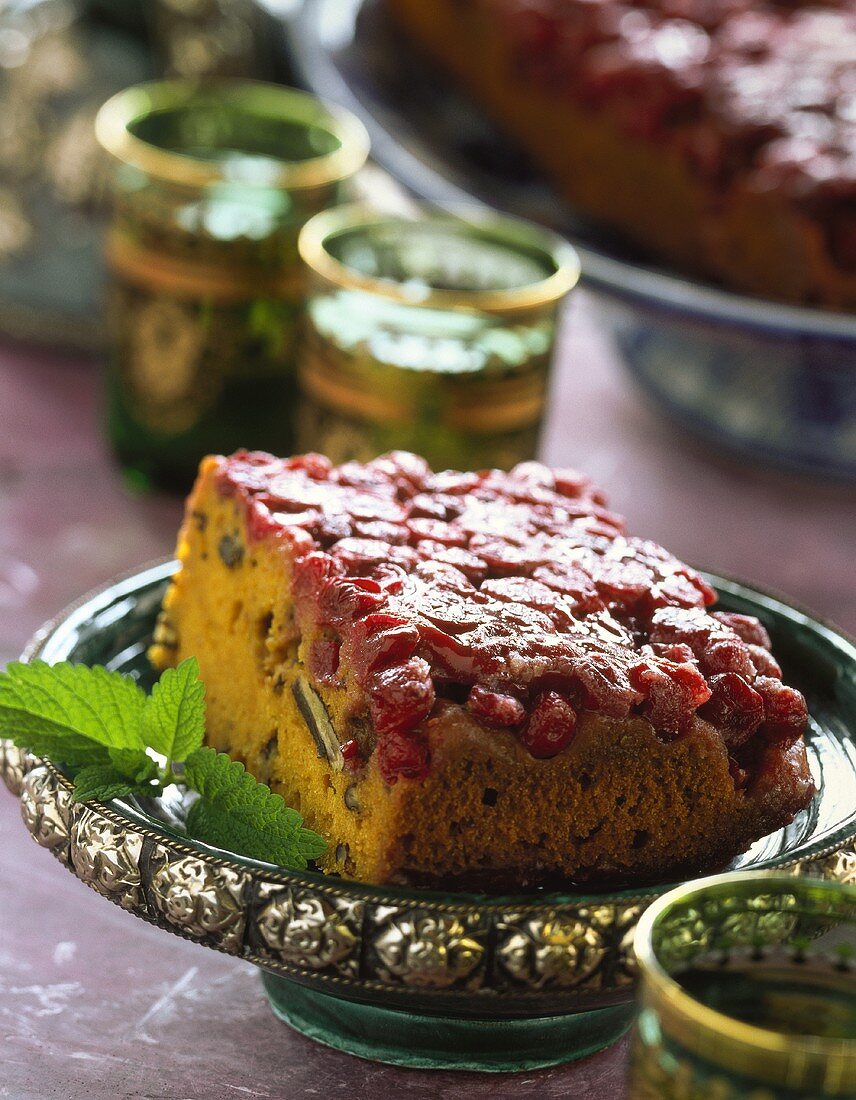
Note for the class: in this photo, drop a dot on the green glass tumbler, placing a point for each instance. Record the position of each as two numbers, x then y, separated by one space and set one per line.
211 184
747 990
431 333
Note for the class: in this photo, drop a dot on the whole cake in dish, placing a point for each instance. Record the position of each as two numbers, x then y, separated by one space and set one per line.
477 678
721 134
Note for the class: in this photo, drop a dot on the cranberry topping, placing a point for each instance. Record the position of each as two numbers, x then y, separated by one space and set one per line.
341 602
351 755
734 707
518 592
401 696
765 663
672 692
401 755
550 727
751 94
324 659
495 708
746 627
785 712
381 640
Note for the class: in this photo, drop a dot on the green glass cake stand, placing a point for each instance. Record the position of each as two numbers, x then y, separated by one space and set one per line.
413 977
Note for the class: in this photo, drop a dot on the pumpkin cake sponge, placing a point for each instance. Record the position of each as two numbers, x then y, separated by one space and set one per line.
476 678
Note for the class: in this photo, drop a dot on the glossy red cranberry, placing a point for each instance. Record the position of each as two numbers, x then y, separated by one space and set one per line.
569 483
401 697
503 557
447 610
311 573
625 581
343 601
380 640
351 755
425 506
573 582
381 530
734 707
747 627
330 529
324 659
677 590
785 711
550 727
765 663
452 482
403 468
260 522
436 530
739 774
671 693
470 565
360 556
727 655
453 658
314 465
677 652
604 685
402 756
495 708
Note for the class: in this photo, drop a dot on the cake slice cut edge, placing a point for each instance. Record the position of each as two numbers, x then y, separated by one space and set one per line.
476 680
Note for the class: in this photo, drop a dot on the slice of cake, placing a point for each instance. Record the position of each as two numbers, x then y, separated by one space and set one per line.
477 678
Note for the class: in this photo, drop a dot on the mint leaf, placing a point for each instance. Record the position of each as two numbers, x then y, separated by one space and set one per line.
46 738
102 782
130 771
134 764
239 814
70 703
174 717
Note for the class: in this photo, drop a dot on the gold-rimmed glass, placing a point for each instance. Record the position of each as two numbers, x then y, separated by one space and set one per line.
428 332
747 989
211 184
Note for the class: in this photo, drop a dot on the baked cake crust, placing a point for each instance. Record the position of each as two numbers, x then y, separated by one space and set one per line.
718 133
477 677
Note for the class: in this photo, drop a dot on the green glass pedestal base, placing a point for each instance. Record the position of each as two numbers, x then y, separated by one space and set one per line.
404 1038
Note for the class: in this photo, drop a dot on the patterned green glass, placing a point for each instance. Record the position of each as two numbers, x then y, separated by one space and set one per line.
211 184
430 333
748 990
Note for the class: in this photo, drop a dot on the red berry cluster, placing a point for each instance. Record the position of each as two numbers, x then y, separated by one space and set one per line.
743 91
515 594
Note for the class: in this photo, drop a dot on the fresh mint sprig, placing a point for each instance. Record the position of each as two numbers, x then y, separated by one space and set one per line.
99 725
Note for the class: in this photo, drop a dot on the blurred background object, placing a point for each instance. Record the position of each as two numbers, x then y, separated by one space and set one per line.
211 184
775 383
59 61
56 69
771 382
433 334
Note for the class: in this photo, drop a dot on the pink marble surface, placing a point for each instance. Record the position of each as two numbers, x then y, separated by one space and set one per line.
96 1004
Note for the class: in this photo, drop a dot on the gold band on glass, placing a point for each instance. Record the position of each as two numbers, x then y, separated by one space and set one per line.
156 271
318 231
462 403
824 1066
113 128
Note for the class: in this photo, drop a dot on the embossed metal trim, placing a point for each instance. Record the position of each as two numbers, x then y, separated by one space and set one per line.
324 935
